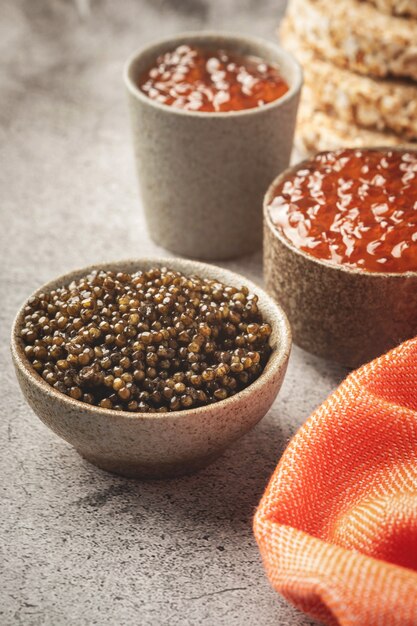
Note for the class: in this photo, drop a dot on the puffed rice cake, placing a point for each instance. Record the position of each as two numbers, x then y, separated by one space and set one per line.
379 104
355 35
318 131
396 7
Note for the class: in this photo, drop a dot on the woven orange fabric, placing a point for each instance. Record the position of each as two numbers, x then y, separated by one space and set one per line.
337 525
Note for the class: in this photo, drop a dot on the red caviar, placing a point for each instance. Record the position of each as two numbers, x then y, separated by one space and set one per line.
197 79
353 207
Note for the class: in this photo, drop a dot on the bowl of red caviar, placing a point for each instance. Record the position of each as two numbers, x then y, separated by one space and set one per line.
340 251
213 118
150 368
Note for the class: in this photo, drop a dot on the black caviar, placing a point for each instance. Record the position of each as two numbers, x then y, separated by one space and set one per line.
150 341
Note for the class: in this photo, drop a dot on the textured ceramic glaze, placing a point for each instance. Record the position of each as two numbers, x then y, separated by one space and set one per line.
165 444
340 313
203 175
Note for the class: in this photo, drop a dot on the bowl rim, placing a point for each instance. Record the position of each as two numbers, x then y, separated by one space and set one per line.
324 262
207 36
277 360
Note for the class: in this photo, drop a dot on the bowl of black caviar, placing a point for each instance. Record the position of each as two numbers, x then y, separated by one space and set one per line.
150 368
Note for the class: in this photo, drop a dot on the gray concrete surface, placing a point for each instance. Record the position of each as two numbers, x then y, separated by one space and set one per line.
80 546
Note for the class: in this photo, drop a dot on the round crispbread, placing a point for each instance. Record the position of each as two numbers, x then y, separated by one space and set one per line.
407 8
377 104
356 36
317 131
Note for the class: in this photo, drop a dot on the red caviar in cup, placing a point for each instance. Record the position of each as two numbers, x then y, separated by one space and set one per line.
356 208
199 79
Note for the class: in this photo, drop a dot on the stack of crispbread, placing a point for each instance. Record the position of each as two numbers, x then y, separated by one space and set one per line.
360 70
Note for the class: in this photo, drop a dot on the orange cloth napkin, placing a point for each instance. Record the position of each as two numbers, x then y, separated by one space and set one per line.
337 525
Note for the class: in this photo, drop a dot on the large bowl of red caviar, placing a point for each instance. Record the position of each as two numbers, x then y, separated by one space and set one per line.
340 251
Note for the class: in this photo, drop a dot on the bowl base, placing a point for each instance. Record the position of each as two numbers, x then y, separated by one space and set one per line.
150 471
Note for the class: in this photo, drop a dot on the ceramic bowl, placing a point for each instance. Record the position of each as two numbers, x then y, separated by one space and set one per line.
164 444
344 314
203 175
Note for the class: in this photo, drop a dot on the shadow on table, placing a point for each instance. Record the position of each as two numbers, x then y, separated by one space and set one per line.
227 491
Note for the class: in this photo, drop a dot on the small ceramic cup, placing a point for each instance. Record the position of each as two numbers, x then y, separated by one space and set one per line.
203 175
157 445
340 313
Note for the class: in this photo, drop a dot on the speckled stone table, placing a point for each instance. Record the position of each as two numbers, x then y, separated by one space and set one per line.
80 546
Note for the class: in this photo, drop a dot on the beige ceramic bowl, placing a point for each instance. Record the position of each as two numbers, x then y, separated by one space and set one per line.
202 174
164 444
347 315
